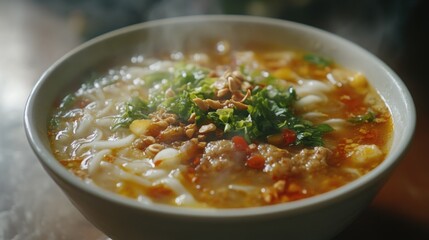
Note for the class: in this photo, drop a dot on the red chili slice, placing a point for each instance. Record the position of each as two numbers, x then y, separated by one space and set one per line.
289 136
256 161
240 143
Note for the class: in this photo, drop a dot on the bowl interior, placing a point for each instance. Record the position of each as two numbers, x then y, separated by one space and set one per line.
192 34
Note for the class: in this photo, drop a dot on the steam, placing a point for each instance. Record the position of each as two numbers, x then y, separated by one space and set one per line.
373 25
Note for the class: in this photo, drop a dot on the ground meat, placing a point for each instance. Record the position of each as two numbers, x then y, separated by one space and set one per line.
221 156
310 160
172 134
222 165
277 160
280 163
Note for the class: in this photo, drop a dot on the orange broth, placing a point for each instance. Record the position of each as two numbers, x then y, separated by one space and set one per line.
220 167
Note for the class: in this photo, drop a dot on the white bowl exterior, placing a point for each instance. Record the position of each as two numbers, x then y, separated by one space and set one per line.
123 218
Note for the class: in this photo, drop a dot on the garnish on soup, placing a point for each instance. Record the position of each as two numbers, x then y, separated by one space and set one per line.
242 130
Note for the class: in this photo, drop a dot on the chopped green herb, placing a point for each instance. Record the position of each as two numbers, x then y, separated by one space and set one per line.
65 104
188 74
309 134
183 106
54 123
269 112
94 81
257 76
317 60
156 77
366 118
269 109
135 109
188 82
234 121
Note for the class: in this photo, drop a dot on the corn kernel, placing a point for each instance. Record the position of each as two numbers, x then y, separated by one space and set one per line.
359 82
284 73
140 126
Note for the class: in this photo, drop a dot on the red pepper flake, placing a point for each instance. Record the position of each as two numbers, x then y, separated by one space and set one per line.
196 161
370 135
256 161
160 191
156 163
240 143
289 136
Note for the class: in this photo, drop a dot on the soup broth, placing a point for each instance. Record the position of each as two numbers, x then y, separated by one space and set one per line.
226 129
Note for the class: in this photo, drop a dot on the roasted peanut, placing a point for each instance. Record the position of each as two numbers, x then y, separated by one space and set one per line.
201 104
153 149
192 118
213 104
207 128
222 92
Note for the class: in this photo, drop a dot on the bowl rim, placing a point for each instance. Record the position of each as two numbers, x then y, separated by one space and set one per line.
48 161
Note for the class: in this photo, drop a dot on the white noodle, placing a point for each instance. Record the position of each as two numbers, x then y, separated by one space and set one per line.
94 162
106 110
337 123
118 173
310 102
242 188
155 174
169 158
137 166
63 135
79 148
307 87
105 122
106 144
84 125
184 197
314 116
138 72
99 94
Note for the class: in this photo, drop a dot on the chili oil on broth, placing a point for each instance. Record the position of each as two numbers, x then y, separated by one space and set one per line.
169 158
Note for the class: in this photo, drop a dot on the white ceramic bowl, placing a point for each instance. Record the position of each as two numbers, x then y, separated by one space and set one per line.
319 217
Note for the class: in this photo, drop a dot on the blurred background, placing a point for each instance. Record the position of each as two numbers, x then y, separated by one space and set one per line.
35 33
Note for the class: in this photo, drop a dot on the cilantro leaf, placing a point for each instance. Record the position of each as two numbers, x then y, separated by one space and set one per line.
135 109
317 60
272 111
366 118
269 109
183 106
